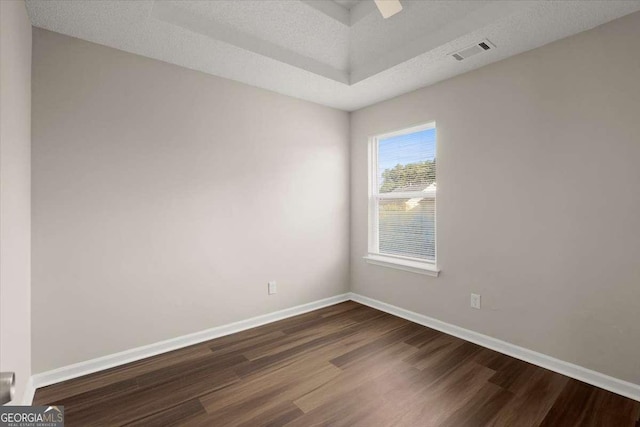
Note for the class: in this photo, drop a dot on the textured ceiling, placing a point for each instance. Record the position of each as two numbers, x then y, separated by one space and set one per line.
347 3
339 53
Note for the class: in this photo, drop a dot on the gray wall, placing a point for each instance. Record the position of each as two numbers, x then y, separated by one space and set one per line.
15 193
164 200
538 200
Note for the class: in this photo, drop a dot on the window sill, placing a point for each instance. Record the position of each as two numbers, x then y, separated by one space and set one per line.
403 264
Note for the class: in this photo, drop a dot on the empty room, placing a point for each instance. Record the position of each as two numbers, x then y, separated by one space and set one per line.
319 213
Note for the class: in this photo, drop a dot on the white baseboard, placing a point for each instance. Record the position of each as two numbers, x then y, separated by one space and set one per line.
105 362
588 376
29 392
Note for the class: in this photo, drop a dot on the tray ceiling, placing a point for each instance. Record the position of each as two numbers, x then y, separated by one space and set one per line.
338 53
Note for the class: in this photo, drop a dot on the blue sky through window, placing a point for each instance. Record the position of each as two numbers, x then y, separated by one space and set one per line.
404 149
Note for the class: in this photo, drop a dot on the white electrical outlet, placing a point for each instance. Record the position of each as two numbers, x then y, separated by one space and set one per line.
272 288
475 301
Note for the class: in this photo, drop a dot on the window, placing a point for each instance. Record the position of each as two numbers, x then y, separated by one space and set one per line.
402 200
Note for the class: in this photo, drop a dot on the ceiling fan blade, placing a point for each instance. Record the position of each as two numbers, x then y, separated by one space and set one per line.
388 8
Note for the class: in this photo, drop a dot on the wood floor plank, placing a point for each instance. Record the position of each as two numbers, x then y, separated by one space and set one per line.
481 409
247 344
344 365
435 400
337 320
295 337
377 326
277 416
386 362
573 407
178 415
507 375
104 378
279 325
85 400
611 402
434 351
454 359
531 403
237 405
424 337
389 339
339 308
350 406
147 401
186 369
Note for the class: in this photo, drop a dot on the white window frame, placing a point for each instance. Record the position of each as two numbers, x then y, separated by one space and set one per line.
415 265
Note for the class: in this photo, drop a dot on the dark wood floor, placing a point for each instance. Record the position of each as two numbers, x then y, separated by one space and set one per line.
345 365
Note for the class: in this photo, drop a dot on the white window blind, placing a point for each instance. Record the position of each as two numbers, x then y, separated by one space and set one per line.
402 208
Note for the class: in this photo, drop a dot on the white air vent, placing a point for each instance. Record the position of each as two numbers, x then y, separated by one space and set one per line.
477 48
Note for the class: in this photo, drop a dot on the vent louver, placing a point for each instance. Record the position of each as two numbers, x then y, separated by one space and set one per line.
477 48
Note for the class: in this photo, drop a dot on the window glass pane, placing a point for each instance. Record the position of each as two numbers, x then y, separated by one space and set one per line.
407 162
407 227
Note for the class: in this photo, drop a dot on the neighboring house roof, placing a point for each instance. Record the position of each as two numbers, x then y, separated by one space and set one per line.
430 189
429 193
